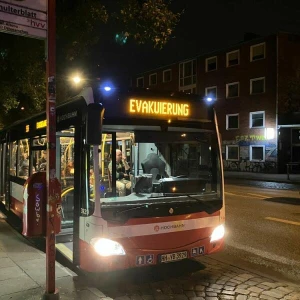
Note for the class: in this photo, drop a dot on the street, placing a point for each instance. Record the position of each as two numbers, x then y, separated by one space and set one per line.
261 259
263 229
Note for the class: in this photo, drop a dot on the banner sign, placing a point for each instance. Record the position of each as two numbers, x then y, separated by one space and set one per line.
24 17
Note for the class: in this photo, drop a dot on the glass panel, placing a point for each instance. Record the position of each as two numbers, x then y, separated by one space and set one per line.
167 76
67 179
233 122
258 86
258 52
211 64
232 153
13 158
258 120
233 58
188 69
257 153
23 158
154 165
233 90
211 92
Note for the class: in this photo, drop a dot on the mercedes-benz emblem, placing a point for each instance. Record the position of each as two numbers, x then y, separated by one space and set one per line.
171 210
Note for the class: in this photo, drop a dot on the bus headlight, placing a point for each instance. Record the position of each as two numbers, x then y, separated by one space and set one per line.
218 233
106 247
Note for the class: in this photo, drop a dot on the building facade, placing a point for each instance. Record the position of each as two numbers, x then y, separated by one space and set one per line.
255 85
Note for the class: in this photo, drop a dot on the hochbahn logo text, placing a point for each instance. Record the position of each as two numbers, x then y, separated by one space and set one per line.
137 106
169 227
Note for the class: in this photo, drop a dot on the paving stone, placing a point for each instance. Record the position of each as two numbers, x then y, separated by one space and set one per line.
267 297
284 289
210 294
136 297
241 297
231 284
255 289
274 293
148 297
216 286
242 286
242 291
229 288
226 297
197 298
180 297
213 290
200 294
211 298
230 293
250 282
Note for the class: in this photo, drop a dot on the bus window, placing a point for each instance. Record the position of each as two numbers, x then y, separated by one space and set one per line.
23 159
162 163
13 158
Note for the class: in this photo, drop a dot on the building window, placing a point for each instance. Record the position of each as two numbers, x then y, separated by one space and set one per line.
187 74
167 75
211 64
257 153
257 119
232 152
232 121
140 82
153 79
232 89
232 58
257 85
257 52
211 92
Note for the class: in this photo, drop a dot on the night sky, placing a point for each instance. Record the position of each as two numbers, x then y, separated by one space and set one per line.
205 26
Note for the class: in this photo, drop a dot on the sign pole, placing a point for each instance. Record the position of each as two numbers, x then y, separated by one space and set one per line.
52 192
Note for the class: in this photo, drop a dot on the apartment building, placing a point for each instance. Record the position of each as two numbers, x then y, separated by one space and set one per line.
255 85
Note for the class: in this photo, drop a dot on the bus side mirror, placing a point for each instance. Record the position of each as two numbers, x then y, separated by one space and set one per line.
94 119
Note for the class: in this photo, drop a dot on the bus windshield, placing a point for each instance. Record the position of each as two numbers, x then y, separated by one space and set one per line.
146 167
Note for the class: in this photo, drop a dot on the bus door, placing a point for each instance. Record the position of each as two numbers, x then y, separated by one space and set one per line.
65 172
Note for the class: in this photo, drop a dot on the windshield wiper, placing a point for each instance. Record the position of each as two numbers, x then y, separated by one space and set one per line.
191 197
133 208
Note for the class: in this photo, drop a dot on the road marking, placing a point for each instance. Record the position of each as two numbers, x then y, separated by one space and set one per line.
258 195
65 250
283 221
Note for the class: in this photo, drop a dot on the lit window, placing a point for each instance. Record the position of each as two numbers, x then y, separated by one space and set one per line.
211 92
167 75
140 82
257 119
233 58
232 89
153 79
232 152
211 64
232 121
257 85
257 52
257 153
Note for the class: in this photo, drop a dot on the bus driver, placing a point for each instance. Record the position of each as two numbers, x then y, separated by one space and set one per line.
123 183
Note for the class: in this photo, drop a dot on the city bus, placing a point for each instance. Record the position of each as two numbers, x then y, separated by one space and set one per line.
171 206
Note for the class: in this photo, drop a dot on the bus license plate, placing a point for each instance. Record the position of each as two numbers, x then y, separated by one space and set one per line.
173 256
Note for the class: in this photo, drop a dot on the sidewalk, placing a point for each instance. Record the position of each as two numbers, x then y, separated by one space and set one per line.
282 178
23 271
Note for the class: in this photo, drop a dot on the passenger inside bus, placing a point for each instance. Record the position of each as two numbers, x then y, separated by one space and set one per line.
123 183
42 163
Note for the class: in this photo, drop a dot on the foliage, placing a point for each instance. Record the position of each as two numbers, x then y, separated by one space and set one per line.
81 24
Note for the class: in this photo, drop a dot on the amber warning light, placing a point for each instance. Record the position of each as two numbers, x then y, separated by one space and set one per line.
143 107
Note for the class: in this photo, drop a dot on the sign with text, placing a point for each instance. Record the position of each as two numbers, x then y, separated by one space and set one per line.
24 17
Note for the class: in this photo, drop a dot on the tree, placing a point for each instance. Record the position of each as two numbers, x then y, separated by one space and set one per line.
81 24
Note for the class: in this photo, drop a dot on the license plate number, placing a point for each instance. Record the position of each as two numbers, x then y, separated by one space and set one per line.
173 256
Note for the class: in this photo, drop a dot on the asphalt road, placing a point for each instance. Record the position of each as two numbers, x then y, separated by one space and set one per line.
263 229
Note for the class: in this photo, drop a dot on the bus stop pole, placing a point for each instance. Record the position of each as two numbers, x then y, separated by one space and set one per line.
51 292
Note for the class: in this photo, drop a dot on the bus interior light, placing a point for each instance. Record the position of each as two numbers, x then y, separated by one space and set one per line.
218 233
107 247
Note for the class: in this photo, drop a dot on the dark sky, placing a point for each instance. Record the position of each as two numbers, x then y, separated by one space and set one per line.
206 25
